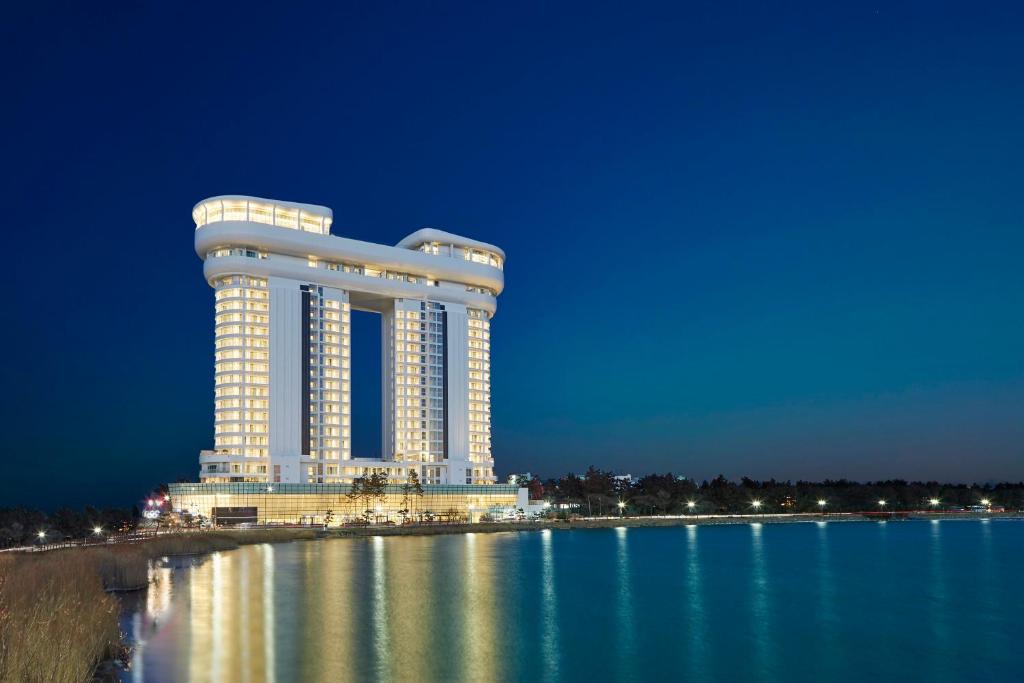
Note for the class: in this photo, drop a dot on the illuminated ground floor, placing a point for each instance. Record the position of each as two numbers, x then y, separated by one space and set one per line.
226 504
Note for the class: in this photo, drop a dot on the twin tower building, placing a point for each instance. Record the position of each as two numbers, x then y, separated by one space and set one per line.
285 288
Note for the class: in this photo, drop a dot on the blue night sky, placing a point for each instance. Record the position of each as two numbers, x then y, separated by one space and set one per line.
777 242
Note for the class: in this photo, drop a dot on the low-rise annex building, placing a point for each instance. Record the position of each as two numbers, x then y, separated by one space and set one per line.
334 504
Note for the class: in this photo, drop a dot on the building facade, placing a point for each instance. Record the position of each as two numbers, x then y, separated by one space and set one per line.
285 289
232 504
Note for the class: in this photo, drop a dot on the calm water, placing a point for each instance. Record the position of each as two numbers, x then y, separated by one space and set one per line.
902 601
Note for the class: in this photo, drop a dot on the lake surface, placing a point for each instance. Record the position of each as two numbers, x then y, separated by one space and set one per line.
893 601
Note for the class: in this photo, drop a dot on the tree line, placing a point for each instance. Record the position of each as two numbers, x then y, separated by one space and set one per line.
599 492
21 525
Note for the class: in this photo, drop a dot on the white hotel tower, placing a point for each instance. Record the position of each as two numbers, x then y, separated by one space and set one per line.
284 291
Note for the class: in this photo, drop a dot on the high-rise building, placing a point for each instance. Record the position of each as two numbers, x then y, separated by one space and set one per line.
285 288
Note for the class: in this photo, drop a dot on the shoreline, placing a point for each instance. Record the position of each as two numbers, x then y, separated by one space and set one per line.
646 522
263 534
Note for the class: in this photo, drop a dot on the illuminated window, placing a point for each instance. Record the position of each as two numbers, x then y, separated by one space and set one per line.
214 211
286 218
312 223
235 210
261 213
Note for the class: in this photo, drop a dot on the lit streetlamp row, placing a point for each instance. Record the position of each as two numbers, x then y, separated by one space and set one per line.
822 503
41 534
690 504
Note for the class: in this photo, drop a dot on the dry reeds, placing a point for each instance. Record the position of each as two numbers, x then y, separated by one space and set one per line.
120 568
212 541
56 620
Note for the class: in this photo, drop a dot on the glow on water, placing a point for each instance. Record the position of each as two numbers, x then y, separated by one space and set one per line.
761 602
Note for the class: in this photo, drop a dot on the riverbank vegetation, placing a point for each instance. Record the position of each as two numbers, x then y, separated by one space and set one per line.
56 620
58 614
599 492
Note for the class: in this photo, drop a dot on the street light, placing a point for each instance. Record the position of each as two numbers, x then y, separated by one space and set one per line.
41 534
756 504
821 504
881 503
97 530
986 502
622 505
690 504
934 502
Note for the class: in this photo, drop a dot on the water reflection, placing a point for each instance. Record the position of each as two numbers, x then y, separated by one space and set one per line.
379 609
624 627
760 611
991 595
205 620
267 553
329 616
408 609
245 642
697 659
200 605
938 608
549 609
598 605
478 606
987 583
148 616
829 656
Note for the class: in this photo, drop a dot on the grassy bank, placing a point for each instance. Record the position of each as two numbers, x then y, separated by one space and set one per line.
58 618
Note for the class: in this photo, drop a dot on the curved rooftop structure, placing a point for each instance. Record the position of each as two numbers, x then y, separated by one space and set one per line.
434 236
288 238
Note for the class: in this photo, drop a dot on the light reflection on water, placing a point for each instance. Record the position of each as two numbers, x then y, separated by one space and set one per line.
766 602
624 626
549 609
694 608
760 613
938 607
379 611
830 656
